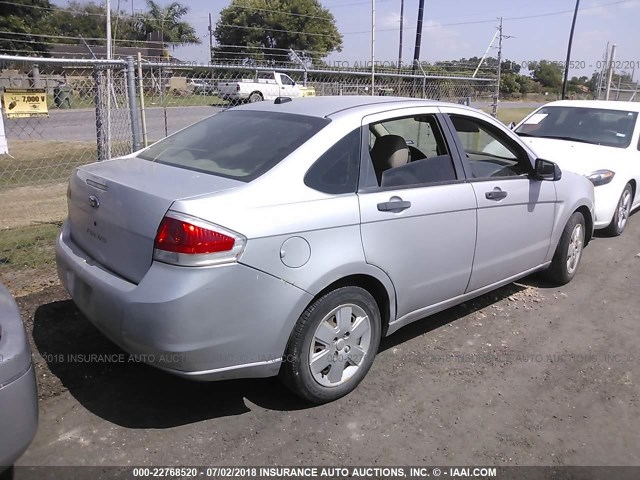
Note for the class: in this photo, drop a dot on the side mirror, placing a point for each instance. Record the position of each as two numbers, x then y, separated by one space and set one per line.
547 170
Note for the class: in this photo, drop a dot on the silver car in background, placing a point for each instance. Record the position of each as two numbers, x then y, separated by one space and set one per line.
289 237
18 392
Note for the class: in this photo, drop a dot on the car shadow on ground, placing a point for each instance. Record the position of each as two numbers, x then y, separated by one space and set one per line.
106 381
602 233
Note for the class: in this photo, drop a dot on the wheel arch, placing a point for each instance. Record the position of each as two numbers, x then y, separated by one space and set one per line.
588 219
372 285
634 188
371 279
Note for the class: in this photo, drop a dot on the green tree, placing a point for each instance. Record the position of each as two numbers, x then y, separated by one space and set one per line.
168 23
24 23
266 30
510 83
548 74
87 20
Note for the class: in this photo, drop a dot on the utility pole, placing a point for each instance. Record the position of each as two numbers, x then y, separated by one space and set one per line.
210 40
601 76
416 52
496 95
373 46
612 60
566 65
401 32
108 26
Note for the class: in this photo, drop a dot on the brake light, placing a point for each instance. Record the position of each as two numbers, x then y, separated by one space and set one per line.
189 241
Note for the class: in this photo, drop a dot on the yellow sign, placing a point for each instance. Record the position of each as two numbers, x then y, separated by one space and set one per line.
25 103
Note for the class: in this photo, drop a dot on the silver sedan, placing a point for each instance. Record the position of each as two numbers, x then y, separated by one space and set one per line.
287 238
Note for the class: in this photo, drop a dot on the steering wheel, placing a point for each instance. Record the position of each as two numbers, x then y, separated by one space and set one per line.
416 154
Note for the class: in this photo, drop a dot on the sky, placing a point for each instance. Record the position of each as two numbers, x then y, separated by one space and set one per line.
543 36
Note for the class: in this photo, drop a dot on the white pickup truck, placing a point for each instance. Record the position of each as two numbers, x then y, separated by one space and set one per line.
266 86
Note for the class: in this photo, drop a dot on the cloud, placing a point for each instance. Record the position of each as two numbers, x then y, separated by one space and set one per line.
450 43
388 20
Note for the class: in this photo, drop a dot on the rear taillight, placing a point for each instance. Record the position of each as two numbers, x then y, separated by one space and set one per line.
189 241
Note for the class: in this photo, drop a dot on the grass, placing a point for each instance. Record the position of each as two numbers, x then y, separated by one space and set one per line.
33 161
508 115
150 101
30 246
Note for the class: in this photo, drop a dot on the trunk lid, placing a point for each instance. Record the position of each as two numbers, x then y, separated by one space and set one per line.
116 206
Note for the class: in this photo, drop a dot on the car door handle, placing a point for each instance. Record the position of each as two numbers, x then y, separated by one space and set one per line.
496 194
394 206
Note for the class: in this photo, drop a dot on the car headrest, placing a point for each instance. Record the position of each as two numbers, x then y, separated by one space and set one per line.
390 151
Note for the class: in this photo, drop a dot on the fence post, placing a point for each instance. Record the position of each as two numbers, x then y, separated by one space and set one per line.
98 103
36 80
133 108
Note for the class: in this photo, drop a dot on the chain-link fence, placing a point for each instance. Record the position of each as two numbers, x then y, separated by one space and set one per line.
622 91
101 109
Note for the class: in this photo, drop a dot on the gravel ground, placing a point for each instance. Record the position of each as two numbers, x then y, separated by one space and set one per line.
527 375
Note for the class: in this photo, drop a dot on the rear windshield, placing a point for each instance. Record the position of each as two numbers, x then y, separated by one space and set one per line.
236 144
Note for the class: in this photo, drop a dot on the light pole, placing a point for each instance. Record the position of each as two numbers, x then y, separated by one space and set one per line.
373 45
401 33
566 65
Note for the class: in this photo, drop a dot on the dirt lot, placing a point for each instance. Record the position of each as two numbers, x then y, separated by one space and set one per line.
527 375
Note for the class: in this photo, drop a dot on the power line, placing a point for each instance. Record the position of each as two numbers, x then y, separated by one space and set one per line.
53 9
477 22
339 5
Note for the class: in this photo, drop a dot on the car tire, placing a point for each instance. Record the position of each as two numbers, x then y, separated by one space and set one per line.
623 210
6 474
255 97
333 345
569 251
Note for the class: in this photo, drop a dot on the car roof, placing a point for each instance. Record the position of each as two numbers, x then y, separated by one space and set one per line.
333 105
604 104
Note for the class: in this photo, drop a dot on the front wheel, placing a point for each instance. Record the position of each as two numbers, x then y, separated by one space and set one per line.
569 251
623 210
333 345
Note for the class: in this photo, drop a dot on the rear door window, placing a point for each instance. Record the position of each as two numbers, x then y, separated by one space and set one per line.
241 145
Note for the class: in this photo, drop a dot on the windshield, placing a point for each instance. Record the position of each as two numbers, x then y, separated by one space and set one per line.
235 144
598 126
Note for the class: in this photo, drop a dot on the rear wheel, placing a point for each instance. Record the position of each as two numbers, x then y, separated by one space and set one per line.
255 97
7 474
569 251
623 210
333 345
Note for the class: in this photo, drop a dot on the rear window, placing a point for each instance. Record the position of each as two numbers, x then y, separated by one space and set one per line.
236 144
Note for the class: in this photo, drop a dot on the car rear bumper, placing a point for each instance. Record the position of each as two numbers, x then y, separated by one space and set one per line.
206 323
18 417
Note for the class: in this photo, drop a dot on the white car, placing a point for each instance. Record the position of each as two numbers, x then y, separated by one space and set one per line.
599 140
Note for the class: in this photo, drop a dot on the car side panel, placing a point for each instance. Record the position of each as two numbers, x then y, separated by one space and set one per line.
313 258
573 192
